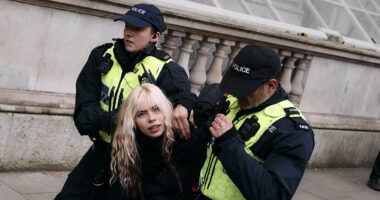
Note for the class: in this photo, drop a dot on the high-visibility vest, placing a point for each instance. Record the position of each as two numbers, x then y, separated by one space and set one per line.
115 88
214 181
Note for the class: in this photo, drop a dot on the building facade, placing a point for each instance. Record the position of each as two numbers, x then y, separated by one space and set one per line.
331 75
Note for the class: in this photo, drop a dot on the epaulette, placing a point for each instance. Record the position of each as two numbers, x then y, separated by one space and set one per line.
293 114
160 54
106 45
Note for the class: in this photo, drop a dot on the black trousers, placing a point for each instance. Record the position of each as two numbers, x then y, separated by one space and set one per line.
375 174
79 184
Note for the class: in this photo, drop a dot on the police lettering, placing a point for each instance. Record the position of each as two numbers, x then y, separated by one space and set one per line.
139 10
240 68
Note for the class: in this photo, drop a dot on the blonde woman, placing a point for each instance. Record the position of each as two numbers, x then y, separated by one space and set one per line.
148 160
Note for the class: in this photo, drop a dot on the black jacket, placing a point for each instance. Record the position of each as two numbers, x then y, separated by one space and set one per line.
286 152
159 181
89 118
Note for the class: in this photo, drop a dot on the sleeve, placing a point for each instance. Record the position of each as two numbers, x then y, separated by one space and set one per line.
175 83
189 156
89 118
279 176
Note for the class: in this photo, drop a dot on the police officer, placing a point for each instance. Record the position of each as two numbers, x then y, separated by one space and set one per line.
262 143
111 72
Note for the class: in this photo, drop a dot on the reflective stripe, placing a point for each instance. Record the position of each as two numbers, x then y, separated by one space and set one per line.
218 185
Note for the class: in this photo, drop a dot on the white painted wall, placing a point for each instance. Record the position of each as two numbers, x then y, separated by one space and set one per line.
44 49
342 88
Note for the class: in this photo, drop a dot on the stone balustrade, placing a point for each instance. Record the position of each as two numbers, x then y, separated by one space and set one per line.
294 64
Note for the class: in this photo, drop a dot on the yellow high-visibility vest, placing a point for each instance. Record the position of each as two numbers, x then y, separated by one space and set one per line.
117 88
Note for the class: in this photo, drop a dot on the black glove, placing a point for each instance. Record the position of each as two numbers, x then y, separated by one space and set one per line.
107 121
211 101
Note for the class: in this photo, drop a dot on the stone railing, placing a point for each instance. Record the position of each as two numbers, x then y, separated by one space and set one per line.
294 64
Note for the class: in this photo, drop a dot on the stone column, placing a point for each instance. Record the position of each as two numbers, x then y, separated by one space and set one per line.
198 72
281 55
187 49
298 80
287 70
214 74
170 43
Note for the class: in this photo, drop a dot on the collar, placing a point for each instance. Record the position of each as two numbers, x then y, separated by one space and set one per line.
128 60
278 96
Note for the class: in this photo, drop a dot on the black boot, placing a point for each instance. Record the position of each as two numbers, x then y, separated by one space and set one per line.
374 184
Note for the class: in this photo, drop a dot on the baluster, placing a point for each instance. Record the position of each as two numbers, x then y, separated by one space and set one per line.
214 74
298 80
198 72
287 70
171 39
281 55
234 51
187 49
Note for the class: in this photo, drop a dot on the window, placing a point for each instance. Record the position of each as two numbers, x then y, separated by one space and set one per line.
358 19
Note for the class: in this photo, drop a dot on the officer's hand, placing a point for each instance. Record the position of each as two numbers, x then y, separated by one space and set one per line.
107 121
220 125
180 122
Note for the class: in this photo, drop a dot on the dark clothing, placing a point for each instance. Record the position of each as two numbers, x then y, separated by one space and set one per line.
79 183
159 177
89 118
375 173
374 177
286 151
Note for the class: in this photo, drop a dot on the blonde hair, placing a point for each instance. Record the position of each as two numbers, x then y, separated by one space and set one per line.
125 160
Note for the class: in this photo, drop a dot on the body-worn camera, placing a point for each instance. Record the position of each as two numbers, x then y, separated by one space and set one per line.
249 128
105 64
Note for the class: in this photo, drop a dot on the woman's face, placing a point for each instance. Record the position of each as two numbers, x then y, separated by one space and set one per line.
150 121
137 39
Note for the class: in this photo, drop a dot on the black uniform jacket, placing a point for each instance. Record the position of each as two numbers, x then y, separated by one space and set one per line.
286 152
89 118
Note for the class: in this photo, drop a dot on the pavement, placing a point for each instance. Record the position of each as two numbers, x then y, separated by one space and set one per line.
317 184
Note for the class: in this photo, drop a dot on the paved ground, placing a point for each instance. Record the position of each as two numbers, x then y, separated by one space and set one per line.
317 184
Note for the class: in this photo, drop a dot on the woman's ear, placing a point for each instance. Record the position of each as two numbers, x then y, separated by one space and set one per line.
155 37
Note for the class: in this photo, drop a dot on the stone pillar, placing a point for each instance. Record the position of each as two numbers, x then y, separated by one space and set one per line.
298 80
170 43
214 74
187 49
198 72
281 55
287 70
